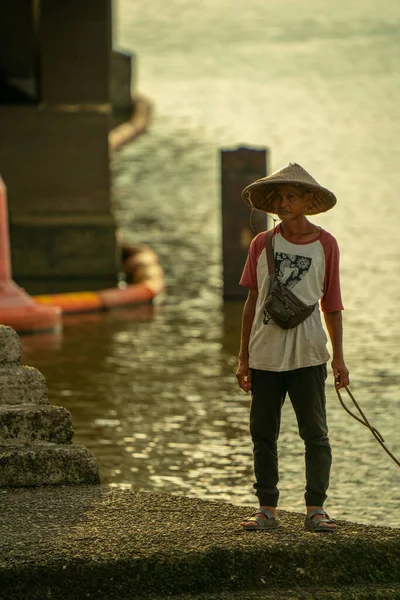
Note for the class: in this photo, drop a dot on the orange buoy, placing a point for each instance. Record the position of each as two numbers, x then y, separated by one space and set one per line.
17 308
72 302
132 294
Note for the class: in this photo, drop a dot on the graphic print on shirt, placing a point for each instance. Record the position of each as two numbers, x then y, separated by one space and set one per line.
290 269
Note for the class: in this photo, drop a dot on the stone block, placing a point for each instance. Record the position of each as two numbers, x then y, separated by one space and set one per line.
27 424
47 464
22 385
10 346
35 437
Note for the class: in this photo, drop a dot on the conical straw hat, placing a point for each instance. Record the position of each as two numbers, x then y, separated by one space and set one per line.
259 194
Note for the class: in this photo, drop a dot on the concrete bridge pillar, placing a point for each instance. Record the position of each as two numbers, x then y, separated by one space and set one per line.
55 115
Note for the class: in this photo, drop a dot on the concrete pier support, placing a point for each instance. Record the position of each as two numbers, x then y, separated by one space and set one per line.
239 167
35 437
55 116
62 231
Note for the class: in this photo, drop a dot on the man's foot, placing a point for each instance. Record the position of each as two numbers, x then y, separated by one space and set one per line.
317 519
265 517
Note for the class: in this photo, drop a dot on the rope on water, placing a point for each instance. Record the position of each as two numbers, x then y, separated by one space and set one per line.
364 421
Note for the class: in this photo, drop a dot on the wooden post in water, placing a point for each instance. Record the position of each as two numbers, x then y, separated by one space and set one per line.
239 168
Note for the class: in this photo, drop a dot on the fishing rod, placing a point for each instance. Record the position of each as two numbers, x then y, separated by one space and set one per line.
364 421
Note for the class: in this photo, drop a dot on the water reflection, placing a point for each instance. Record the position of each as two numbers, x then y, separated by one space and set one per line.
39 342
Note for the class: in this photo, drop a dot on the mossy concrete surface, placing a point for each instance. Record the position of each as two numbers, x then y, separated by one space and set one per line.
47 464
27 424
68 543
22 385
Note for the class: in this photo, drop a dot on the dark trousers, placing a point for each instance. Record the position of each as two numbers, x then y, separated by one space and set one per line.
306 390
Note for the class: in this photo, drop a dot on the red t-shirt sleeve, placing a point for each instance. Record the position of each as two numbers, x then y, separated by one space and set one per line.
331 300
249 275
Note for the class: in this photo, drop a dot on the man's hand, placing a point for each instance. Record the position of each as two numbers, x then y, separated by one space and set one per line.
243 375
340 373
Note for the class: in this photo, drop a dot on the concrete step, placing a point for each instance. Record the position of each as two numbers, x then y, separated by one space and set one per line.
47 464
22 385
26 424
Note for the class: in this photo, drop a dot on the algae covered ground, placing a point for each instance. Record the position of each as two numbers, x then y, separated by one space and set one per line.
69 543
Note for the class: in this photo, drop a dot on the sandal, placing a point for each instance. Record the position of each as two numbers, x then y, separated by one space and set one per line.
319 523
270 522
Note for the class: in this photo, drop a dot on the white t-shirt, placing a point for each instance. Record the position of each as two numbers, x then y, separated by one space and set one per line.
311 271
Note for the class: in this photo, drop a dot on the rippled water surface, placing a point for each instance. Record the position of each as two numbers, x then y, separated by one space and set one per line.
152 390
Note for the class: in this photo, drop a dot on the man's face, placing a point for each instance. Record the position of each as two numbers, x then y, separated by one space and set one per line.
289 202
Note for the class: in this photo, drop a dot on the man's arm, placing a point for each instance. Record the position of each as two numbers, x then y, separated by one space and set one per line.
334 325
243 372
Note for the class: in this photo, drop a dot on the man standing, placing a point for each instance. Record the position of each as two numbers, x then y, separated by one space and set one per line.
273 361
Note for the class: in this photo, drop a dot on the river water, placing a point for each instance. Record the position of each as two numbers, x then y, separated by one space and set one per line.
152 390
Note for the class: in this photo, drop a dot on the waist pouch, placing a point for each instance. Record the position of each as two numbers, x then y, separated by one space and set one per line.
284 308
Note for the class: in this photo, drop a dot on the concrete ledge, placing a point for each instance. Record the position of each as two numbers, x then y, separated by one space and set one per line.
94 542
22 385
29 424
47 464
